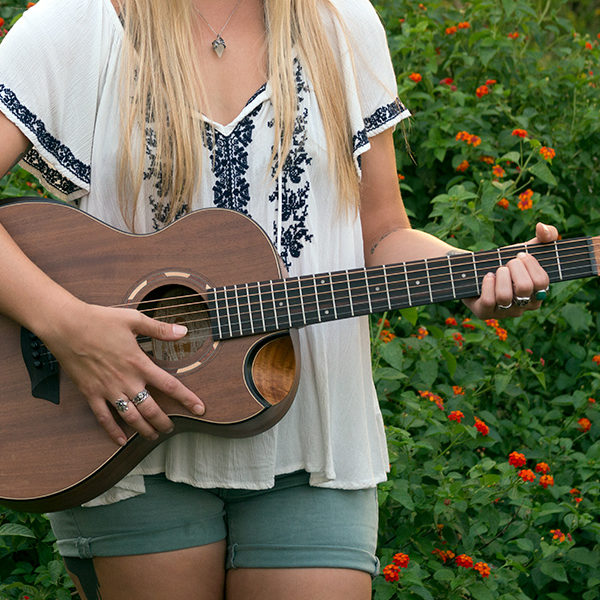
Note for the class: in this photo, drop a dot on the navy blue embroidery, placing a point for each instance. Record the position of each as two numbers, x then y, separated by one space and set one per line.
382 116
258 92
295 189
229 162
62 153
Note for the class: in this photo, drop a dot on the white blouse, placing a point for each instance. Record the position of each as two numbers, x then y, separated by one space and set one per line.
59 84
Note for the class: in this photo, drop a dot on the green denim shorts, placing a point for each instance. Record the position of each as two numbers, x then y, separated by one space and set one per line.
290 525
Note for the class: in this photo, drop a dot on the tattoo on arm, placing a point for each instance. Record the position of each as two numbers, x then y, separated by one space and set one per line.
374 246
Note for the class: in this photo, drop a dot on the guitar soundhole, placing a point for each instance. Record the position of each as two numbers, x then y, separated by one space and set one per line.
182 305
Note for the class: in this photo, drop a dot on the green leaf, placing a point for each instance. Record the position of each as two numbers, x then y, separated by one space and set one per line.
583 556
524 544
421 592
443 575
16 530
542 171
554 570
410 314
393 354
481 592
401 494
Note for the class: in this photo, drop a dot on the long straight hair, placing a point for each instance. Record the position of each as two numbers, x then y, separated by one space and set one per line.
162 98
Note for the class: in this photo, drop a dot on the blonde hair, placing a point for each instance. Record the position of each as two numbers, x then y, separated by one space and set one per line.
162 98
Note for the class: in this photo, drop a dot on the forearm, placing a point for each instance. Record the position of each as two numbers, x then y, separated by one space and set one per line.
401 244
27 295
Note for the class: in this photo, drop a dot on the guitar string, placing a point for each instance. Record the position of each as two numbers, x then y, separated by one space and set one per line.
260 289
437 263
394 296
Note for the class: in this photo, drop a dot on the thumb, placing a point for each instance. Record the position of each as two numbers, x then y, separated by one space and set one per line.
545 233
159 329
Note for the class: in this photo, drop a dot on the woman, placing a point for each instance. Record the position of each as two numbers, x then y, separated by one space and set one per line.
283 110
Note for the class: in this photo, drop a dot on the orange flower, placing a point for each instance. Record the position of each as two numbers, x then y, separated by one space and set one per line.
467 325
578 500
557 534
514 35
386 323
491 82
458 390
522 133
391 573
451 321
464 165
464 25
422 7
481 426
542 467
482 90
458 338
596 359
546 480
416 77
401 560
422 333
443 554
502 203
591 400
547 153
498 171
401 177
456 415
475 141
463 560
588 46
574 492
492 322
483 569
487 159
516 459
526 475
525 201
584 424
501 333
386 336
30 4
1 22
451 30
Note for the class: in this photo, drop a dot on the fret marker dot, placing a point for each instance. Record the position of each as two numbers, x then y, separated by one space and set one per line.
463 275
326 312
377 289
281 304
418 282
322 281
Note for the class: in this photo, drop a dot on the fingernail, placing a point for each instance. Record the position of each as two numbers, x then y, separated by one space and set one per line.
122 441
521 255
489 275
179 329
546 228
198 409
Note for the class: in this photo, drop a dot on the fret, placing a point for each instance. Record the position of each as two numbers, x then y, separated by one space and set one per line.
342 296
274 307
229 295
326 297
418 282
280 303
376 282
218 316
451 277
487 262
250 310
349 292
301 300
267 301
428 281
463 275
295 302
440 274
368 291
287 301
407 286
262 309
358 292
311 306
476 276
560 275
317 298
499 258
387 287
333 296
237 303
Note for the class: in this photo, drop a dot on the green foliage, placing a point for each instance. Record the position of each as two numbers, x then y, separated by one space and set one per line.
530 379
451 487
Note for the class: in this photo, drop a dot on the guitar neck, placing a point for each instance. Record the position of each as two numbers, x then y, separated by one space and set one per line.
270 306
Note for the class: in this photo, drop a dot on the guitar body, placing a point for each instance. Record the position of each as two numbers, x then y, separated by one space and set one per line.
53 456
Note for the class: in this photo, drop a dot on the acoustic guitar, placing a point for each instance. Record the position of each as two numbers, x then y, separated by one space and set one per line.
215 271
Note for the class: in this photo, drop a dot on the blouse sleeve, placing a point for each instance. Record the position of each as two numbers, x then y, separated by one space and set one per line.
366 64
51 67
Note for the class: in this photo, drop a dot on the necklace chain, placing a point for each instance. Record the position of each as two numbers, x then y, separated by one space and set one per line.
218 44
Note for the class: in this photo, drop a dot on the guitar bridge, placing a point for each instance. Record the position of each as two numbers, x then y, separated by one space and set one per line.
42 367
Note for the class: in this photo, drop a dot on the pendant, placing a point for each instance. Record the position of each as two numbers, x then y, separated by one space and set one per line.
219 46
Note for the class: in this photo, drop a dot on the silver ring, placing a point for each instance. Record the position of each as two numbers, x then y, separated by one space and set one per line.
139 398
522 301
504 307
122 405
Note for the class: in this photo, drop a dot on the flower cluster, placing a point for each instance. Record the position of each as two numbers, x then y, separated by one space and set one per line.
456 415
481 426
518 460
584 424
463 166
465 136
439 402
444 555
416 77
391 572
559 536
547 153
525 202
522 133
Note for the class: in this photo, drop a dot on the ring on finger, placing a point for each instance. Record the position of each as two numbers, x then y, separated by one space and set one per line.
542 294
122 405
140 397
504 306
522 300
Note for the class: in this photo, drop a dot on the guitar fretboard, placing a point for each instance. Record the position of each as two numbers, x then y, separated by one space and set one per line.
269 306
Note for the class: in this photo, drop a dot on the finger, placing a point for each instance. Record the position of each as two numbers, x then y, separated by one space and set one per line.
486 303
504 287
129 413
150 410
545 233
107 421
522 284
539 277
144 325
172 387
